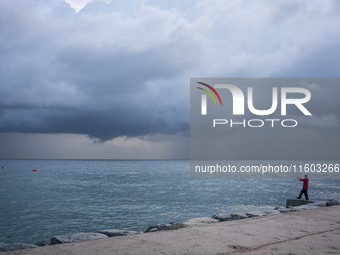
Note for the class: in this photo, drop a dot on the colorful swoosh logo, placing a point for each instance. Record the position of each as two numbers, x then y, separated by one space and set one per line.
208 92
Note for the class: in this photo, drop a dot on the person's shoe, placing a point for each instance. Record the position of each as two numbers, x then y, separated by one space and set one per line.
297 197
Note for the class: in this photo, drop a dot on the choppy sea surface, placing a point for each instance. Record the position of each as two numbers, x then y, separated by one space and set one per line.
67 196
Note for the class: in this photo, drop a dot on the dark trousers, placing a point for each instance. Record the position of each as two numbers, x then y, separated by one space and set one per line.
304 191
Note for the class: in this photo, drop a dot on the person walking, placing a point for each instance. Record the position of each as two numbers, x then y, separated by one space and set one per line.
304 188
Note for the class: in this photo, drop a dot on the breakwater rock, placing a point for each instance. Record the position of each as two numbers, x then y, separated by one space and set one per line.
229 217
165 226
116 232
199 221
15 246
333 201
282 209
261 213
76 238
217 217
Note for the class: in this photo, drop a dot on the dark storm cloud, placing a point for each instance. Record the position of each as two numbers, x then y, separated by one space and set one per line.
123 69
79 73
101 124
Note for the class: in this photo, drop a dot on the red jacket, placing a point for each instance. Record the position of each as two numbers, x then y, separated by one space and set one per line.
305 183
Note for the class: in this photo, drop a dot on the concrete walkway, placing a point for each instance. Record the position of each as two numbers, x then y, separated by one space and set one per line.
315 231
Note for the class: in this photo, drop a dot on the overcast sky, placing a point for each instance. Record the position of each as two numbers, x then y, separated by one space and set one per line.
110 79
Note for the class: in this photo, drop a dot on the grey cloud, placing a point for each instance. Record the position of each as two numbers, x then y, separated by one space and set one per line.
74 78
323 121
103 124
115 70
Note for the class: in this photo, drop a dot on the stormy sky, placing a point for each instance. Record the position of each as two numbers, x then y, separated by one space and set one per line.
110 79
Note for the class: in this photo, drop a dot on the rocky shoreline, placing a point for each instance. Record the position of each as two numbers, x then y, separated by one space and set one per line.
217 217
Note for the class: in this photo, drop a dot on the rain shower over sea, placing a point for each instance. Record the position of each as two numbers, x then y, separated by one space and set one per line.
67 196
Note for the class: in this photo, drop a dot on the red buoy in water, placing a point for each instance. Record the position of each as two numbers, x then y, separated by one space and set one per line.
34 170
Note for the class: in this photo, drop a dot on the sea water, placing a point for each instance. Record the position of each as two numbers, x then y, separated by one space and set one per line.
67 196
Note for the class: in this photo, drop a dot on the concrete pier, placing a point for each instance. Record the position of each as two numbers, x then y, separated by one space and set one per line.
296 202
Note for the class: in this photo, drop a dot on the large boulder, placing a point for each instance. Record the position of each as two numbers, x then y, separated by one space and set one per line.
332 201
81 236
44 243
255 214
282 209
200 221
239 216
15 246
222 217
260 213
165 226
116 232
229 217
